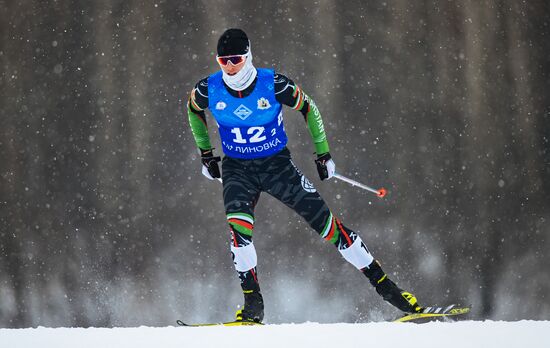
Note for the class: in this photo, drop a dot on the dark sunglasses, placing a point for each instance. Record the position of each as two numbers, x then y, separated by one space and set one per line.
235 60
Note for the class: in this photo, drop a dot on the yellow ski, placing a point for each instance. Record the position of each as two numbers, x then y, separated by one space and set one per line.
434 313
228 323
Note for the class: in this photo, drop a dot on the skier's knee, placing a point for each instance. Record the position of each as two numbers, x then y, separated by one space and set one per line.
357 254
335 233
241 226
242 248
349 244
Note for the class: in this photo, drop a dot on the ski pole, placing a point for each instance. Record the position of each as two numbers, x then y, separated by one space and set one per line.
381 192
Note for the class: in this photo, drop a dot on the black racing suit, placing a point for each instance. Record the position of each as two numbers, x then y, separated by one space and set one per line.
245 179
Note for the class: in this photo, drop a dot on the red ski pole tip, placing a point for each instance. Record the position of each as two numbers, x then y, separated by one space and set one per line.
382 192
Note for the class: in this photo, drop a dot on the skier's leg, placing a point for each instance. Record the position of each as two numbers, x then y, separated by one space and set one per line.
241 192
290 186
284 181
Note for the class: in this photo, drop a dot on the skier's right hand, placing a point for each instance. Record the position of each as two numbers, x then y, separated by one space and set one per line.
210 167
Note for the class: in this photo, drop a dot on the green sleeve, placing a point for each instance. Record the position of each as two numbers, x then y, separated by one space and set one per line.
316 128
313 118
290 94
197 121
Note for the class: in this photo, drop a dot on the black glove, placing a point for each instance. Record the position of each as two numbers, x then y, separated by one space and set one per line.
325 166
210 167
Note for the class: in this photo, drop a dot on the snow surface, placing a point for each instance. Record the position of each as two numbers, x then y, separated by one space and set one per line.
442 335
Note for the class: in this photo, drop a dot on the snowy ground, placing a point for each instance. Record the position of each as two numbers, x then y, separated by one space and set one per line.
447 335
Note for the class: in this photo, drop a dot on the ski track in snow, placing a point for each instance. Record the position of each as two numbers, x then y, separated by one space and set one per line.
463 334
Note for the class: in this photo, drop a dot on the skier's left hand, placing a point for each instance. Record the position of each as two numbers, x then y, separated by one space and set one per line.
325 166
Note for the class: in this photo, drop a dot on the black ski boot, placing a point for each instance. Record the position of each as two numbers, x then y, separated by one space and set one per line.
403 300
253 309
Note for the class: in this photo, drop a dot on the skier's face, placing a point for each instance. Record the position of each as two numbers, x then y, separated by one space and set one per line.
231 69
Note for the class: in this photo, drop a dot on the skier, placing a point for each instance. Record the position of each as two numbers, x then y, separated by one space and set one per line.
246 103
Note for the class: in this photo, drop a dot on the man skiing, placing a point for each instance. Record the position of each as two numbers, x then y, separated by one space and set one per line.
246 103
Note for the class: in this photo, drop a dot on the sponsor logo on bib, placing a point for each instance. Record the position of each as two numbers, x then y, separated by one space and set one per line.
242 112
263 104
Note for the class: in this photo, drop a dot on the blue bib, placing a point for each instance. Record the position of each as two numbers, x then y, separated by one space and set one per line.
249 127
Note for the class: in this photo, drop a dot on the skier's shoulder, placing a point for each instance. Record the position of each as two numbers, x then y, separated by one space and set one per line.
280 78
201 87
203 83
199 95
282 82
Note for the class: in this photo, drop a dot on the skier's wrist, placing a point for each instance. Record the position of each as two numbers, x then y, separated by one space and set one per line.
324 156
206 152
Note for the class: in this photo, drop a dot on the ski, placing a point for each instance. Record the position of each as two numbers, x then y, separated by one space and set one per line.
227 323
435 313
